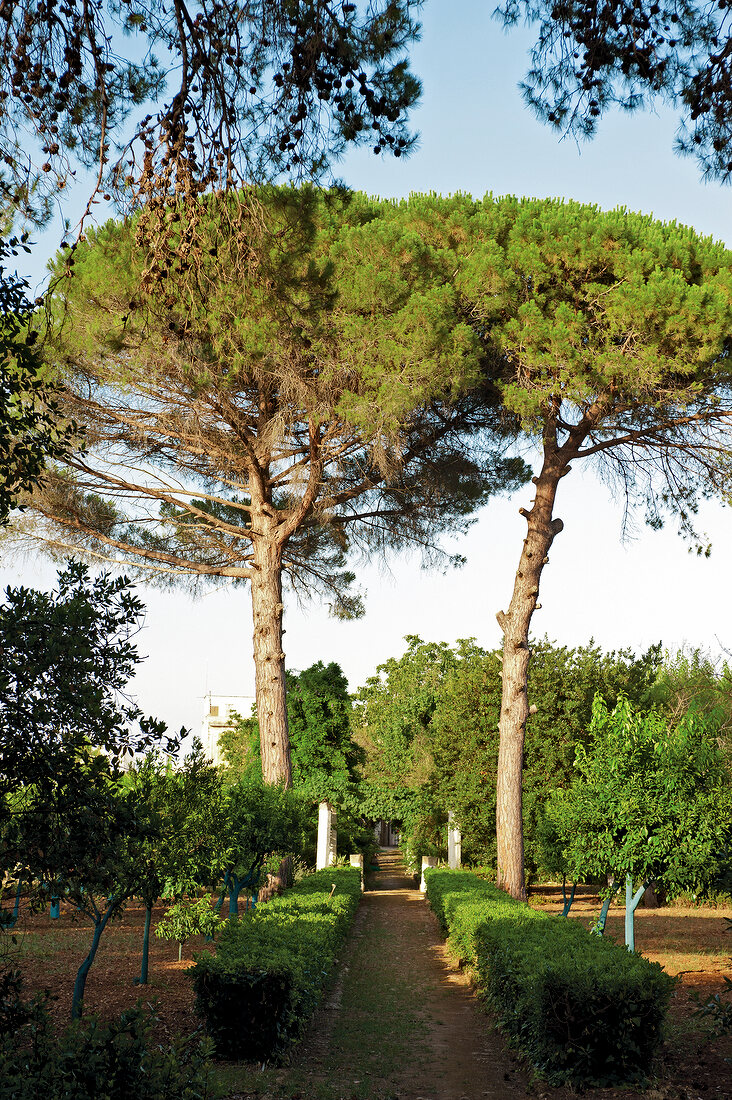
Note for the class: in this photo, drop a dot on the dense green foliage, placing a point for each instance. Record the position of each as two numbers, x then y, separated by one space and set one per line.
581 1008
325 758
184 801
691 680
74 825
268 973
67 656
68 826
428 722
259 822
650 799
116 1060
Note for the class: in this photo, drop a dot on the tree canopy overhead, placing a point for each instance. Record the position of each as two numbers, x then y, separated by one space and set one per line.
361 385
30 426
590 56
237 92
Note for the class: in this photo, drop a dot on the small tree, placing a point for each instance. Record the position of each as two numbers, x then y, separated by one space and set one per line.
651 801
261 822
183 852
67 656
189 917
80 838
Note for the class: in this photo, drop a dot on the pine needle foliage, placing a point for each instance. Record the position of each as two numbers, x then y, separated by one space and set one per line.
296 391
590 57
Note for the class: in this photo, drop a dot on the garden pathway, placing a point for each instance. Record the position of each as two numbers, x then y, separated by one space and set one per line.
402 1023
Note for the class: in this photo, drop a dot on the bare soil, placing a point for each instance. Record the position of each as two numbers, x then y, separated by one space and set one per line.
49 952
401 1021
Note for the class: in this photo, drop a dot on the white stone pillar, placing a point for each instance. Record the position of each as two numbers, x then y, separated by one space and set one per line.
357 861
454 843
327 837
427 861
333 839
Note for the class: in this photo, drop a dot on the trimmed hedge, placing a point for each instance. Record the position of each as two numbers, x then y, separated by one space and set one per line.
268 973
582 1008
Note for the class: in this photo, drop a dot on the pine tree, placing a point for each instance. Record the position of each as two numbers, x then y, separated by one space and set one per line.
274 409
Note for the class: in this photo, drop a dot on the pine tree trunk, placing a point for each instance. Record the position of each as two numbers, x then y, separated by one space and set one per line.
269 659
515 624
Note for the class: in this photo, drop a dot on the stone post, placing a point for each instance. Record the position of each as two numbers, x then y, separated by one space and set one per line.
454 843
327 836
357 861
427 861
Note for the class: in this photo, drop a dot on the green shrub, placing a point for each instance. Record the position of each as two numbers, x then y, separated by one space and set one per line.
116 1060
582 1008
258 990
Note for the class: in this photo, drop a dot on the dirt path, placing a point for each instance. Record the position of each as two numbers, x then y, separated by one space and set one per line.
402 1023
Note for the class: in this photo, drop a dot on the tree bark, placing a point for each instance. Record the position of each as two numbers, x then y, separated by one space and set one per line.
515 623
144 966
77 999
269 658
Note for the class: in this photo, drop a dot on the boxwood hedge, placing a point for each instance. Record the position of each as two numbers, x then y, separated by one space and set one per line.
268 973
582 1008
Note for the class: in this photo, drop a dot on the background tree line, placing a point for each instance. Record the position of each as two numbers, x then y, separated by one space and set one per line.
428 723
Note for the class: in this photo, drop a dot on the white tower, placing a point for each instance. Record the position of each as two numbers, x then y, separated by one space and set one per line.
219 714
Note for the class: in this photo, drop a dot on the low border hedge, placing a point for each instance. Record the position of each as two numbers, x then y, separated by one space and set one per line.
256 993
582 1008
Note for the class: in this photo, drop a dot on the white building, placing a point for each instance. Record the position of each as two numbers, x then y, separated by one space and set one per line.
219 715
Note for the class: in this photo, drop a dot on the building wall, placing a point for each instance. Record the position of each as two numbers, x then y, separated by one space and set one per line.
218 711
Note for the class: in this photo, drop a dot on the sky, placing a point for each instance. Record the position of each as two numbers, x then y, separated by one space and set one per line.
476 137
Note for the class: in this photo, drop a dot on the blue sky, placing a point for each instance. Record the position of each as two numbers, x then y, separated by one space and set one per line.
476 137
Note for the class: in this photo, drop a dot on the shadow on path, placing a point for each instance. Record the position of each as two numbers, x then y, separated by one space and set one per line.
402 1022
